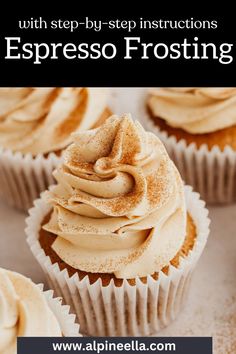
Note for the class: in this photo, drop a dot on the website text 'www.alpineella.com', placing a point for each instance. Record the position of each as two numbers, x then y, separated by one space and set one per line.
108 346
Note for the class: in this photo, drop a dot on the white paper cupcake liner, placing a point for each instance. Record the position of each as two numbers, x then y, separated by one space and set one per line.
138 310
69 327
23 177
211 172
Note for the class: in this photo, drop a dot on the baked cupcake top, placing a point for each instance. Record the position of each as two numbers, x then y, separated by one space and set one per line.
195 110
40 120
24 311
119 203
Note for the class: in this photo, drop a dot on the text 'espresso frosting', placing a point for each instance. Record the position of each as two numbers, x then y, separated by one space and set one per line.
24 312
195 110
119 203
40 120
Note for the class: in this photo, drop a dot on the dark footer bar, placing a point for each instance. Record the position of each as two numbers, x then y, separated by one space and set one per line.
98 345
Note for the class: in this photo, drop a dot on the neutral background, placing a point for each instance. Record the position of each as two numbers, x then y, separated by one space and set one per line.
211 306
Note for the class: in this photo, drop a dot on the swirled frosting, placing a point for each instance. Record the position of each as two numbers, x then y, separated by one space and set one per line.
40 120
195 110
119 203
23 311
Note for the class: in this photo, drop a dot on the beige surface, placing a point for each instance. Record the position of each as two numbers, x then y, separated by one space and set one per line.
211 307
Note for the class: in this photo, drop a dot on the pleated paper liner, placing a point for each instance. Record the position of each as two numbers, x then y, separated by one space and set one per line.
24 177
66 320
128 310
211 172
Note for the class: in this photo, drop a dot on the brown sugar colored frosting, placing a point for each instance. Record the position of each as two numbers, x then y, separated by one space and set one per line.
23 311
195 110
40 120
119 203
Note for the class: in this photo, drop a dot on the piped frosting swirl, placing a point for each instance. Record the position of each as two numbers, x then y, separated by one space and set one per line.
195 110
119 203
23 311
40 120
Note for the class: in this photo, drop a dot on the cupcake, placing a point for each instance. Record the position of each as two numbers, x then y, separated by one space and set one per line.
27 311
198 128
118 236
35 127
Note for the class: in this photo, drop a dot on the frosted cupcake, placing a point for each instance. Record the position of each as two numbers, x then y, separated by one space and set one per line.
198 127
26 311
119 235
35 127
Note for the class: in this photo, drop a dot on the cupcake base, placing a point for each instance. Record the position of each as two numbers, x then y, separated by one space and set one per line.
23 177
138 309
46 240
221 138
210 170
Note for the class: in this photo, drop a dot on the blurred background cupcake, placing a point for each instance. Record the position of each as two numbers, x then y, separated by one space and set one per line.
198 128
35 127
27 311
119 235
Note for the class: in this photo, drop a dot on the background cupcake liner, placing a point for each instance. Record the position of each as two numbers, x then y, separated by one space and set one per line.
128 310
23 177
211 172
66 320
